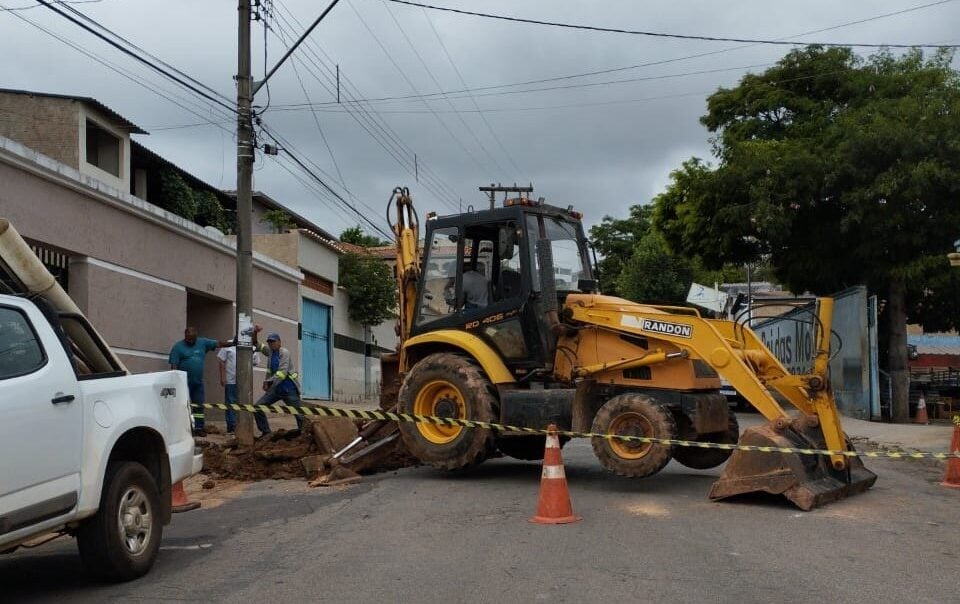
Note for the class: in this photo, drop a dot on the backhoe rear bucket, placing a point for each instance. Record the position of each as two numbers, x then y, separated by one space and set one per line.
809 481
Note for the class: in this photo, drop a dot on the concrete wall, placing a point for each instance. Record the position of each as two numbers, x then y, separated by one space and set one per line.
282 247
47 125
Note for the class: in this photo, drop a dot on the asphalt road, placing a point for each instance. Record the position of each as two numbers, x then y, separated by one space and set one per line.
418 536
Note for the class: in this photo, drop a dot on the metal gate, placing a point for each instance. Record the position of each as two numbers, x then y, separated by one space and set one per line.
315 347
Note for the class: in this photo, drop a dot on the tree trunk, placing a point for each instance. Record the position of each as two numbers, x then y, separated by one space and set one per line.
897 352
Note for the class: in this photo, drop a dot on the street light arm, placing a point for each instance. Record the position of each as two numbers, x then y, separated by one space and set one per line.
289 52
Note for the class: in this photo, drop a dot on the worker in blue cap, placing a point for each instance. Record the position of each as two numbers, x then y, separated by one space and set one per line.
282 383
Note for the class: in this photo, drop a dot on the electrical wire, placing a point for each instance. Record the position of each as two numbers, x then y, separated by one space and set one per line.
654 34
483 116
170 96
586 74
316 120
151 61
365 116
495 162
294 154
413 87
362 118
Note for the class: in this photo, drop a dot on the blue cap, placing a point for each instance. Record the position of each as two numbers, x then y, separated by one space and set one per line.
274 337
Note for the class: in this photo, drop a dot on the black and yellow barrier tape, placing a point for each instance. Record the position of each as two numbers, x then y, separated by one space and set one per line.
324 411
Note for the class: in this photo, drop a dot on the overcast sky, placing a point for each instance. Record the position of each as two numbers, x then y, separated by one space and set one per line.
601 147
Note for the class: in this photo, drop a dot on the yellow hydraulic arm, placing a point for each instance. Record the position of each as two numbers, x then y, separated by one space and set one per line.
733 350
406 231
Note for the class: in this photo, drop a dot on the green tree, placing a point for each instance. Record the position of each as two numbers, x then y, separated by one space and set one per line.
370 286
279 220
841 171
615 239
210 212
652 274
176 195
356 236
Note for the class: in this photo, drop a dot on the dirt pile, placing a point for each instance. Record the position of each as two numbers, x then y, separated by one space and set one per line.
289 454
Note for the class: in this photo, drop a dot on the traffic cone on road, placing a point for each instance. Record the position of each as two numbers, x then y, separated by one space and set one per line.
921 417
554 504
180 501
951 477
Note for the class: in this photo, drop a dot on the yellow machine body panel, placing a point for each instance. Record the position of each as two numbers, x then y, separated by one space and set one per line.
477 349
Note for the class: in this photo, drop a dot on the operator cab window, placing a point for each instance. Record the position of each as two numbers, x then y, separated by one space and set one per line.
20 350
438 298
568 262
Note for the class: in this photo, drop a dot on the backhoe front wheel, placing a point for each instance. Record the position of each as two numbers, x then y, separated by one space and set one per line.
448 385
633 415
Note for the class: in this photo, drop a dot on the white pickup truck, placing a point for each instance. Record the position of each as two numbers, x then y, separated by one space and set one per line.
90 453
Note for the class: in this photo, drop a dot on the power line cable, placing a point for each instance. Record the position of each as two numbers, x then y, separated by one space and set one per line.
361 117
655 34
394 100
483 116
226 101
33 6
367 117
413 87
293 152
316 120
495 162
173 97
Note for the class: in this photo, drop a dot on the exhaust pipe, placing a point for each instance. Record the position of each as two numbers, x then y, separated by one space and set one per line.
22 264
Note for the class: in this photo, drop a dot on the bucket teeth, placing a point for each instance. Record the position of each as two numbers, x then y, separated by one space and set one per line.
809 481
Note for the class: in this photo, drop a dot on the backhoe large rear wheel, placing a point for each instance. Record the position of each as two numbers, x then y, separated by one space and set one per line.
703 459
633 415
448 385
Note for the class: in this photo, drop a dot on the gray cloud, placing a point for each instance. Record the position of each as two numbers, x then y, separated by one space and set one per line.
600 157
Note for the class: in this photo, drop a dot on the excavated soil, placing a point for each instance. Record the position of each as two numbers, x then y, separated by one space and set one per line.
281 456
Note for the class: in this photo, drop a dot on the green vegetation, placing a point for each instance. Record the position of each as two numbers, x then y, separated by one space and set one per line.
356 236
201 207
840 171
368 281
279 220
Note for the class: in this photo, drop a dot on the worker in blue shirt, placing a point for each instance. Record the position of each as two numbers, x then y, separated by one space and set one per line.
188 356
282 380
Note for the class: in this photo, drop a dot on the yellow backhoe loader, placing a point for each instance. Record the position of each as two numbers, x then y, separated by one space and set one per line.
501 321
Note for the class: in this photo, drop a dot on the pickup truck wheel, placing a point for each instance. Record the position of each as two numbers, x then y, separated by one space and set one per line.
121 541
633 415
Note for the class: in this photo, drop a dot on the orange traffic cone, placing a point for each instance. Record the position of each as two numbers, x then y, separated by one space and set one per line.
921 417
554 504
180 501
951 477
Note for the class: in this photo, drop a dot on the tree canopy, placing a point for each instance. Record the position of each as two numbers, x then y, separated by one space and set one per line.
356 236
368 281
841 170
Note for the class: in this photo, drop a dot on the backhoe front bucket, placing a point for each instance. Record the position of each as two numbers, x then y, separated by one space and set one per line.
809 481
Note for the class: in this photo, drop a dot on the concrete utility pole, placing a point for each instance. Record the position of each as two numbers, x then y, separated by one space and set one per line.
244 295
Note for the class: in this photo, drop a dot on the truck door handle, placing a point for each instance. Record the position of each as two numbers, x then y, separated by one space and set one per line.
66 398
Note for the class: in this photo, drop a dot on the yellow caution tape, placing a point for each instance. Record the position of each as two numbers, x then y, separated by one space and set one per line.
324 411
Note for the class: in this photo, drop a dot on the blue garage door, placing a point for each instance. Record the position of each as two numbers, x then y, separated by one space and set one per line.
316 349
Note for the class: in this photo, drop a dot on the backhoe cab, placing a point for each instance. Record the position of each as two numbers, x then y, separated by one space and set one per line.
500 321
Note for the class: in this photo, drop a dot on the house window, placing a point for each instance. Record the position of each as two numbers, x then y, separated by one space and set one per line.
103 149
